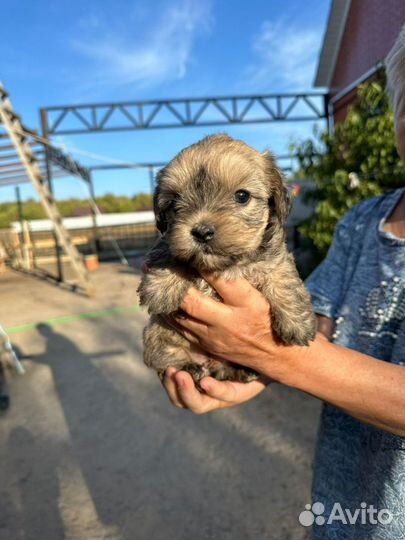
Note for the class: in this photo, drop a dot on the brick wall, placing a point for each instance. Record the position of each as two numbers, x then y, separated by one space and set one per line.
371 29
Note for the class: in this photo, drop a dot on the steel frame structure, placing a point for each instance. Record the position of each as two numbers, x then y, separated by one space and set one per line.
183 112
152 166
174 113
52 163
12 171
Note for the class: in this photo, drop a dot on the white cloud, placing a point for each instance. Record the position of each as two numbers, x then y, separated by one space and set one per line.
152 55
285 56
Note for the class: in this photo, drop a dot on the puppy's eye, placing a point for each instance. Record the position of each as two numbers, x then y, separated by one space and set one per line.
242 196
174 202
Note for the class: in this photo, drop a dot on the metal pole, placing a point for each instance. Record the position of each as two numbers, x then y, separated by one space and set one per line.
19 206
94 215
152 179
20 218
45 133
329 114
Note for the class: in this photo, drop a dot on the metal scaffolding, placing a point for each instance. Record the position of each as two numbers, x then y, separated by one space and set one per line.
12 172
160 114
184 112
153 167
25 157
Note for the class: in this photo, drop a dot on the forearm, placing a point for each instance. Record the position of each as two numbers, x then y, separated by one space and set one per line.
237 330
370 390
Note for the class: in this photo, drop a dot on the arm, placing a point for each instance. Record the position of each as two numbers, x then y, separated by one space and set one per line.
325 326
371 390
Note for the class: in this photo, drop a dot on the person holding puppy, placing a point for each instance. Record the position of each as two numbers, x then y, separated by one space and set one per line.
356 364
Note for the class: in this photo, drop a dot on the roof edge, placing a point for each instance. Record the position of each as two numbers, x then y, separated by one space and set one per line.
331 42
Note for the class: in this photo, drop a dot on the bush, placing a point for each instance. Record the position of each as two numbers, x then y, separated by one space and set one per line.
359 160
108 203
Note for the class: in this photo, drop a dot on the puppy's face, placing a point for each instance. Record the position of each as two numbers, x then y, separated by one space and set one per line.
216 199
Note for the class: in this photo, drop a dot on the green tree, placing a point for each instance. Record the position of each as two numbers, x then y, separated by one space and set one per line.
359 160
108 203
142 201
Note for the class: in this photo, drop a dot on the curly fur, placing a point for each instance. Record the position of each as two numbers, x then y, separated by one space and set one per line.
197 188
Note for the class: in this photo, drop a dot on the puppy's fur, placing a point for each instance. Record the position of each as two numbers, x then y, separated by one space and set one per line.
206 224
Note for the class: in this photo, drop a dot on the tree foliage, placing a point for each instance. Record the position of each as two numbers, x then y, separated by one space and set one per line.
108 204
359 160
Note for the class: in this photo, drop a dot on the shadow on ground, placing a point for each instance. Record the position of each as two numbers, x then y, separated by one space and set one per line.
92 450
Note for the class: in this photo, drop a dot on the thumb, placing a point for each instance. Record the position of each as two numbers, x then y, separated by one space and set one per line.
233 392
221 390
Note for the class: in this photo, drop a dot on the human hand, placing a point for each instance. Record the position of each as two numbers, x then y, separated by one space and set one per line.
237 329
183 393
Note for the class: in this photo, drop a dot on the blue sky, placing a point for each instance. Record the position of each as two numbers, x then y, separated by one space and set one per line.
69 52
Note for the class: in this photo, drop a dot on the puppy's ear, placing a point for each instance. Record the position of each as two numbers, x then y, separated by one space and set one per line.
280 199
161 222
160 206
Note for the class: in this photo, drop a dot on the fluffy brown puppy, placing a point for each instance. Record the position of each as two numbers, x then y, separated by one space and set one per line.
220 207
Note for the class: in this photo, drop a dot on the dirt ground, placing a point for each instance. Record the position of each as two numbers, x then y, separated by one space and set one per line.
91 449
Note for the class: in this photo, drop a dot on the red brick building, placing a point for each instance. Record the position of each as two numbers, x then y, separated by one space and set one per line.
358 36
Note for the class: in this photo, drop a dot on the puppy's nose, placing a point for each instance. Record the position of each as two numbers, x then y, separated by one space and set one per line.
202 232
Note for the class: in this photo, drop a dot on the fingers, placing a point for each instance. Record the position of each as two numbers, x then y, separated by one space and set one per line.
236 292
183 393
190 328
231 392
171 387
222 390
180 328
190 397
202 307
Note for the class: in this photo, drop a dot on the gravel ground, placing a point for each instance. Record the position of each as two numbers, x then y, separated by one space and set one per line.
91 449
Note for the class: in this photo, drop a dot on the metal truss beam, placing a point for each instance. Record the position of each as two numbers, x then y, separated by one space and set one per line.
67 163
154 164
186 112
113 166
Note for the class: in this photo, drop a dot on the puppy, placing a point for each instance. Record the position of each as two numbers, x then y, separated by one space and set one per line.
220 206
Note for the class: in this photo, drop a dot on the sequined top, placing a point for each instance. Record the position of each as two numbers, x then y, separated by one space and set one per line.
361 285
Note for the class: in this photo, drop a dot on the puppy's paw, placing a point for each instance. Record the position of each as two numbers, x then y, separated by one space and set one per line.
295 332
221 371
197 371
162 291
224 371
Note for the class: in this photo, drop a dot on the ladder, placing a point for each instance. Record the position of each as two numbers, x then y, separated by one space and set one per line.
17 135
